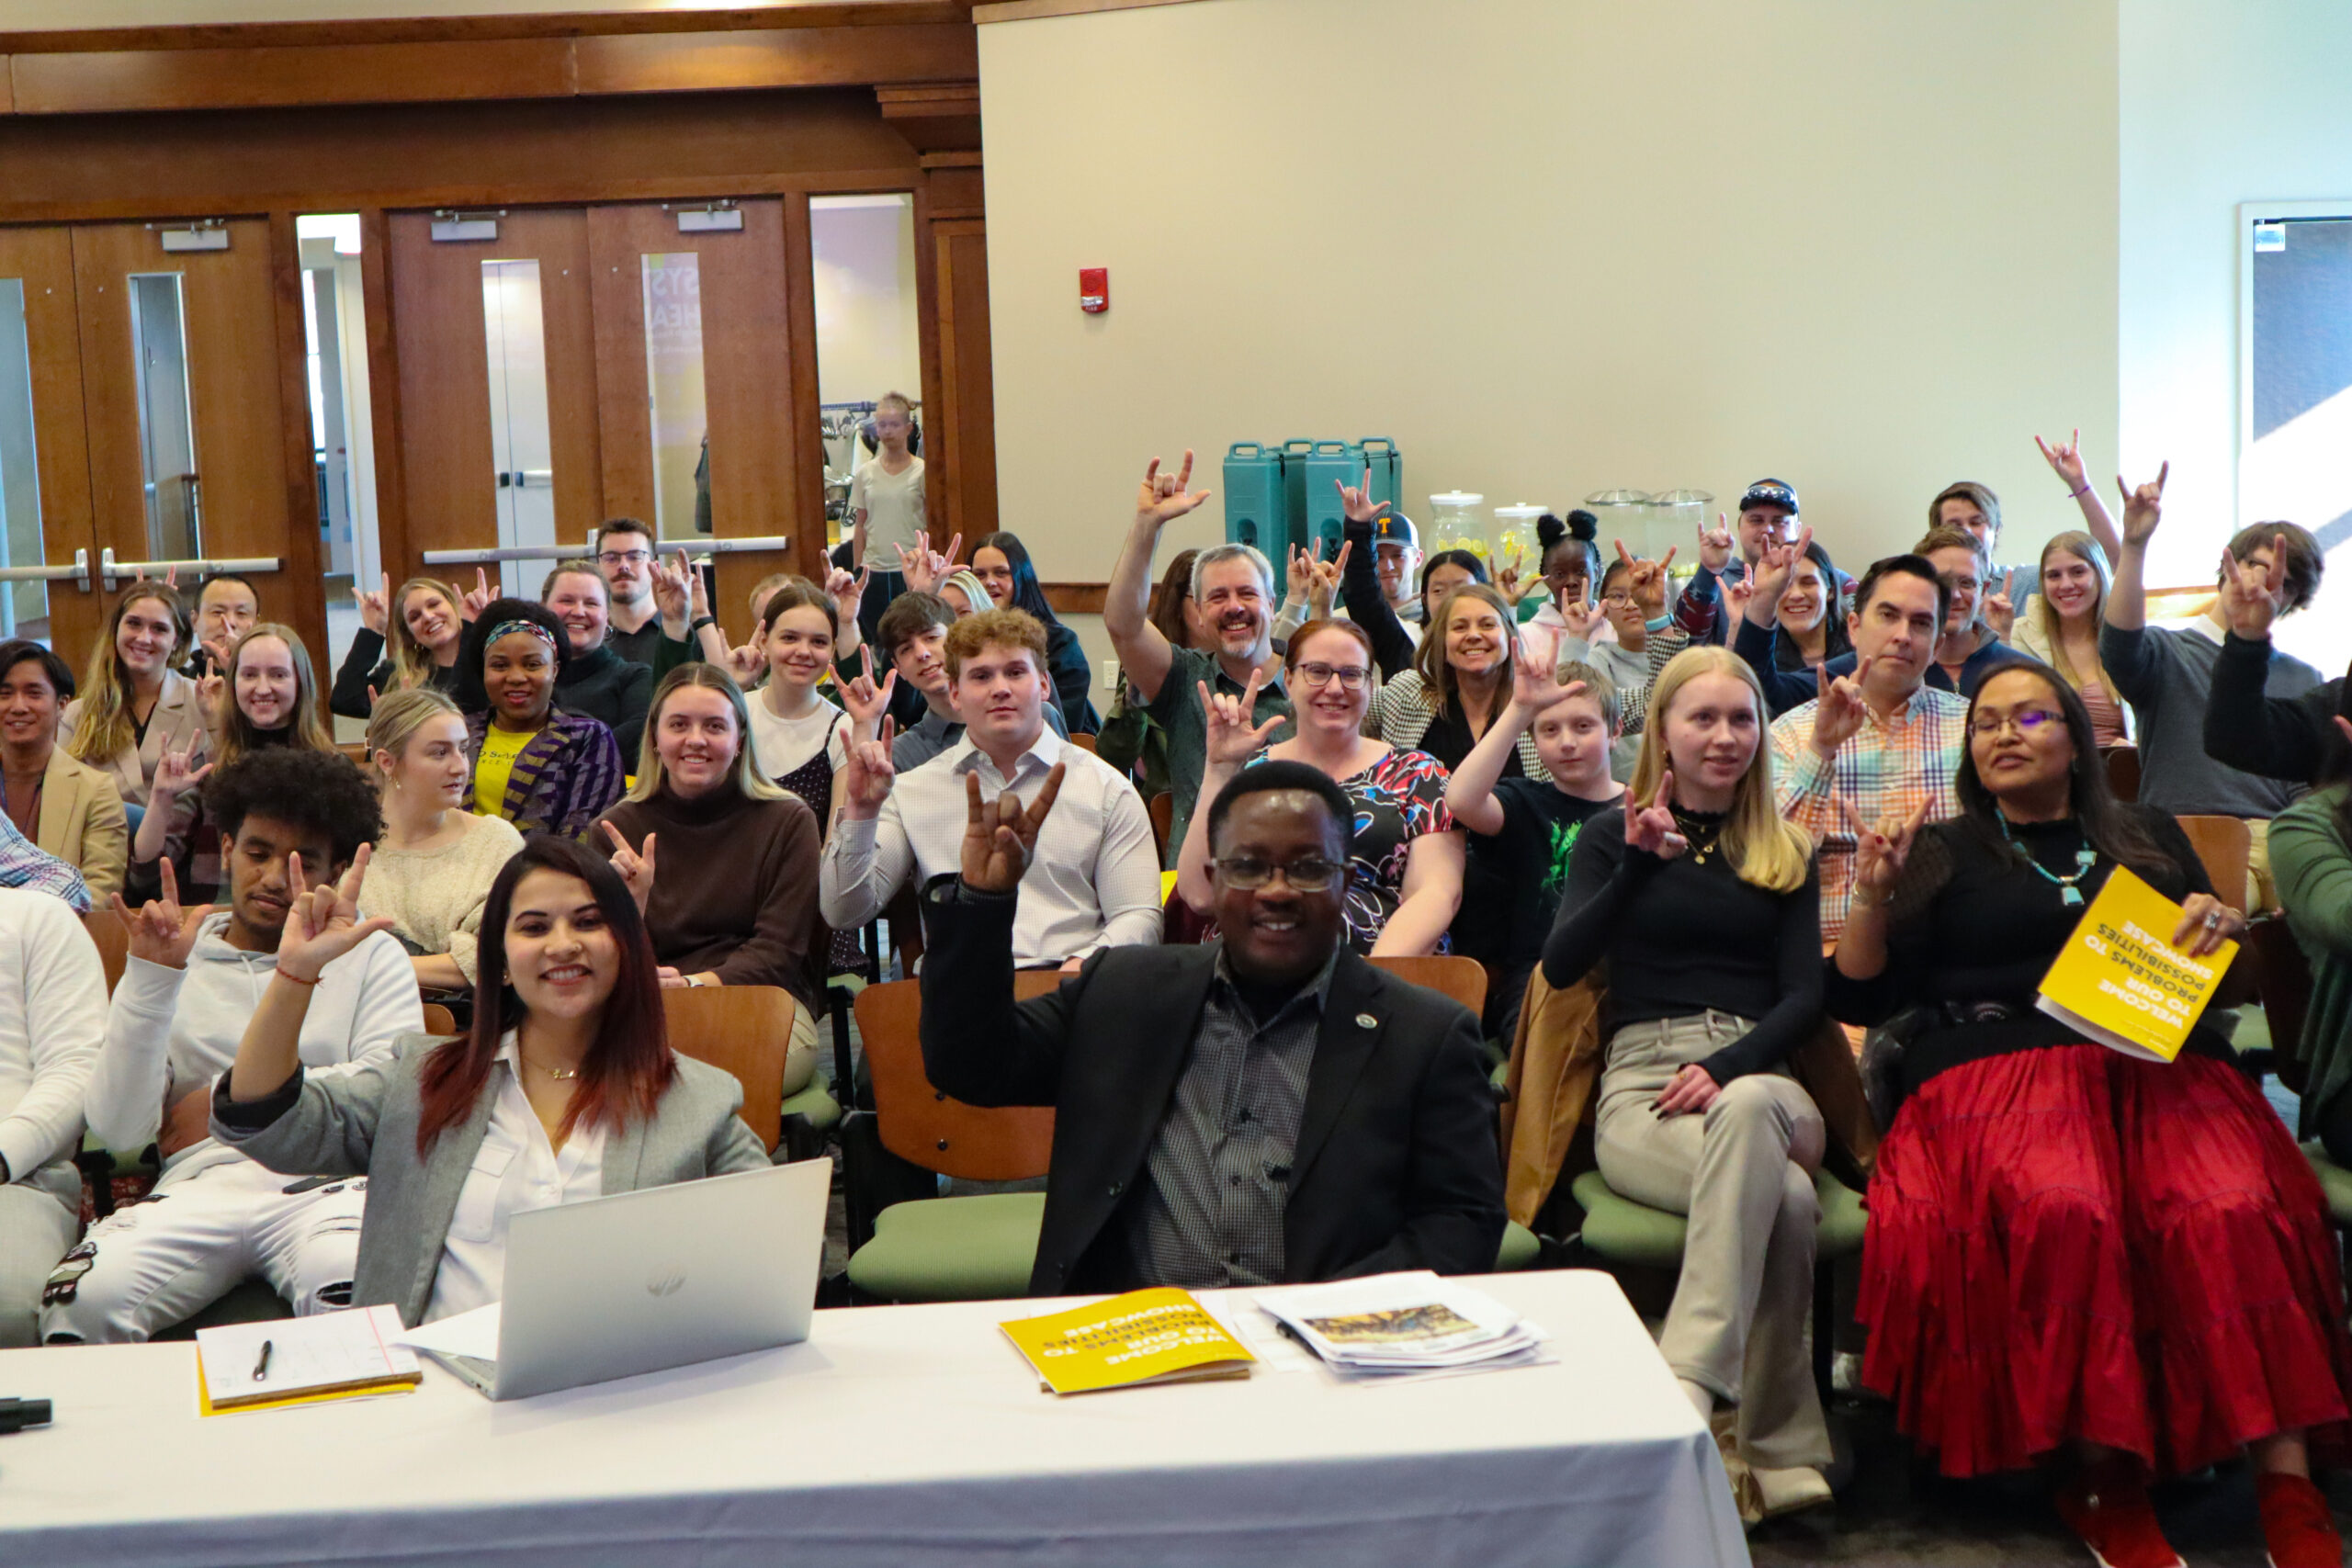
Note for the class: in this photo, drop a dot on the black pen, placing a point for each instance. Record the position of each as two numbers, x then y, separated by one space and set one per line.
261 1367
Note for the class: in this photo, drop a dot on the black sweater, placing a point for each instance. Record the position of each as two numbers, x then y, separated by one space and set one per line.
365 666
2274 737
1682 938
603 685
1971 923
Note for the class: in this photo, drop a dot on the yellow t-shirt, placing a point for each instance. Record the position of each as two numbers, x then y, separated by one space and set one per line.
495 766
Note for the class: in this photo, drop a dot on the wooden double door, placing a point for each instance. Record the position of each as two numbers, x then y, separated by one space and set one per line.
557 366
152 406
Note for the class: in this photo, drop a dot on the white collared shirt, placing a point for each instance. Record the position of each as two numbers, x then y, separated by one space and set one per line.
1094 881
516 1169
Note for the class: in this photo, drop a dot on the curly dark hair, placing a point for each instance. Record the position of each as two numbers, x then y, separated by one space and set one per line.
322 792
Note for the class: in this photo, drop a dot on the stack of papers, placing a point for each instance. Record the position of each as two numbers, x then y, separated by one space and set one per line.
1393 1326
332 1355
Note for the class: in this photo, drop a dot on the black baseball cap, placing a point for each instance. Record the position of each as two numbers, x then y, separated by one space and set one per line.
1395 529
1770 492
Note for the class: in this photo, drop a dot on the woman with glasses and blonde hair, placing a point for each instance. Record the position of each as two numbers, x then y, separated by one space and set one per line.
722 860
435 861
407 639
2078 1257
1405 856
1705 906
2061 627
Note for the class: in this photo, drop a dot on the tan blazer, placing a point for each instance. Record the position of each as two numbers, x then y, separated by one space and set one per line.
82 823
176 724
1555 1064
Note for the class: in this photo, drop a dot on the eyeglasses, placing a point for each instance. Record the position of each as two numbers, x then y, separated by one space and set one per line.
1247 874
1351 677
2026 722
1618 596
619 557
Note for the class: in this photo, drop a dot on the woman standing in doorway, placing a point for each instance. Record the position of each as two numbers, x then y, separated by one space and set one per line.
886 507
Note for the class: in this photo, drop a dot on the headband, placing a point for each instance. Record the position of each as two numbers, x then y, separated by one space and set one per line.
504 627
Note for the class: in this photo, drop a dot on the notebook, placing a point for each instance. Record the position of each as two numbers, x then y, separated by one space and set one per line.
297 1361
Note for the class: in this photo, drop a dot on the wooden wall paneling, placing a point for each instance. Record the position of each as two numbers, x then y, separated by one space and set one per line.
480 29
806 502
302 585
392 548
43 260
943 510
117 80
544 151
7 85
780 57
236 392
445 452
966 372
747 356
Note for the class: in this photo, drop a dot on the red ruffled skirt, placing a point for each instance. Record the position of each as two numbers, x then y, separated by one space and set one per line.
2071 1244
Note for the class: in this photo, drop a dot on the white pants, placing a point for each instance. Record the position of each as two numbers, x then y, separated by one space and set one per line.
39 1217
205 1229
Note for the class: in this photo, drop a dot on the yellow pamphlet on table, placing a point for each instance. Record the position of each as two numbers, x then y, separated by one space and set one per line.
1144 1336
2120 980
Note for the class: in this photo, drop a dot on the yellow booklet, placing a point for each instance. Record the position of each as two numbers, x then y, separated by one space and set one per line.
1144 1336
2121 982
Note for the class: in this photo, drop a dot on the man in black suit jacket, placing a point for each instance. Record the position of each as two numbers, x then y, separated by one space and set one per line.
1269 1108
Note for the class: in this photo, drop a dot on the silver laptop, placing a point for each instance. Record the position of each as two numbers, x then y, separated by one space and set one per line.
663 1278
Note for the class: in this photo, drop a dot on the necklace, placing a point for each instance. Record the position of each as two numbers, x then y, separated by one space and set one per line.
1703 841
559 1073
2085 859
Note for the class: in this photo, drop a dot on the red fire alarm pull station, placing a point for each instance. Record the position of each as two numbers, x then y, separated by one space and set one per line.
1094 290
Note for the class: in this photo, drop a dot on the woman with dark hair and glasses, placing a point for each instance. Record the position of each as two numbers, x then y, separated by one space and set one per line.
1001 563
2075 1255
565 1088
1405 855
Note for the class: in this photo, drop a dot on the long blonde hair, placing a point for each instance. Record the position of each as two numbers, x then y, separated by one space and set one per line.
413 662
2085 548
754 784
1765 848
104 729
237 735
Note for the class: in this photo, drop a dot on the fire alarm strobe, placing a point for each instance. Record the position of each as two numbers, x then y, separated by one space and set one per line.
1094 290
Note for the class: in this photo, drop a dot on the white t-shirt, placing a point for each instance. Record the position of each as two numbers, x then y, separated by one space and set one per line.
893 506
780 745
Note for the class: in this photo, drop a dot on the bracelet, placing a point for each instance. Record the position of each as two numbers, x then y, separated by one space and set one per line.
693 627
297 978
2083 489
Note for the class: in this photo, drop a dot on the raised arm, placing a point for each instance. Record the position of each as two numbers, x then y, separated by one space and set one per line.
2066 462
1470 791
1367 601
1143 653
2143 506
868 855
1617 854
2245 728
978 1044
1232 741
322 924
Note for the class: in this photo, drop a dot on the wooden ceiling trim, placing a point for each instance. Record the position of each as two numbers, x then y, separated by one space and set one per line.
475 29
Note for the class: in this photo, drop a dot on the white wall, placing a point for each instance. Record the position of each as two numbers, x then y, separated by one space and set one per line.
2223 102
1555 246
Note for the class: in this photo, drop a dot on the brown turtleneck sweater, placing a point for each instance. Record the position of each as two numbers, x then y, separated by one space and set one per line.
734 887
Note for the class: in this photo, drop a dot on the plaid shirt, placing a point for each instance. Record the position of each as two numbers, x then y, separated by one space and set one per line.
24 866
1886 770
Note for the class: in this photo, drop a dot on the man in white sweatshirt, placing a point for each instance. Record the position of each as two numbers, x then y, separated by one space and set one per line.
52 1015
193 979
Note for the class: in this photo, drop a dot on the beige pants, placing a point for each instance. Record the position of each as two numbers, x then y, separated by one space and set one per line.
1742 1170
800 1056
2261 892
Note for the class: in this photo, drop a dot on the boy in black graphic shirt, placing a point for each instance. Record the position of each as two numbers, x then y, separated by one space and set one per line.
1521 830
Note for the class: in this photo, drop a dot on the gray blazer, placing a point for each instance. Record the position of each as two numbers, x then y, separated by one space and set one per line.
364 1124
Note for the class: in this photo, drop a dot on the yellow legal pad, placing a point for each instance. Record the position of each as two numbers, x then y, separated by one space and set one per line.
2121 982
1144 1336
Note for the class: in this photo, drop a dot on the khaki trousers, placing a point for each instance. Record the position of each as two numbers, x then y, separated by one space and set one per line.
1742 1170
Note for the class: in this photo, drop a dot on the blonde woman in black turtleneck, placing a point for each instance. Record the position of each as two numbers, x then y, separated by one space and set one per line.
734 902
1706 908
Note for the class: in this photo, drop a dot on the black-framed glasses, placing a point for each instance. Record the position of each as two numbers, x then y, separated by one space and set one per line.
1351 677
2026 721
1247 874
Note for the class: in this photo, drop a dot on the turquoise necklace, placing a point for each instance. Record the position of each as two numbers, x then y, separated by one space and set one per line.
2086 859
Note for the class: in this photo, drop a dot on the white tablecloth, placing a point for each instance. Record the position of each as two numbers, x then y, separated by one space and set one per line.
897 1437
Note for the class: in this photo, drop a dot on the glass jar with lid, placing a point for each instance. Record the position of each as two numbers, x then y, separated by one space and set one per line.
1455 524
